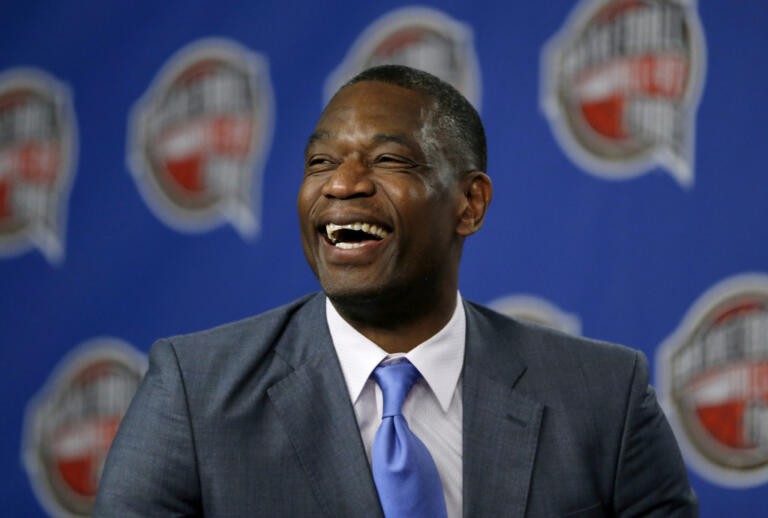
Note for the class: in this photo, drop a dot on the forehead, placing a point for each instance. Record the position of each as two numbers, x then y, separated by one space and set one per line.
377 108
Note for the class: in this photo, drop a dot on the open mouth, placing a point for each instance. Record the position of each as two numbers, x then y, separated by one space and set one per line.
353 235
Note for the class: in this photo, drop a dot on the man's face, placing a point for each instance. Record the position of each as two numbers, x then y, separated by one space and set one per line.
379 203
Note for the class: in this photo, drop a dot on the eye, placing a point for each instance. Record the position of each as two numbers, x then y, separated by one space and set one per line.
319 163
393 162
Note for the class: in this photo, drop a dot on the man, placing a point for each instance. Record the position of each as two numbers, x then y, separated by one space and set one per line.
281 414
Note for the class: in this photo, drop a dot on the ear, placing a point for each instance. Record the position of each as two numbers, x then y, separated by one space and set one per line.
477 192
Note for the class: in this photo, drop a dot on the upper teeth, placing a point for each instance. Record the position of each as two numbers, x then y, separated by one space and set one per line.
332 228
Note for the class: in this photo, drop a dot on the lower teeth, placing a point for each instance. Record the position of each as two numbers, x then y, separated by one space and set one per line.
348 245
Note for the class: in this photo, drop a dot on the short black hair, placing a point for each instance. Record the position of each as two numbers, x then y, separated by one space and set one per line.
457 118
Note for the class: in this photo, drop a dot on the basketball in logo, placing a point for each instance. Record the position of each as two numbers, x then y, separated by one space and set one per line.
37 149
71 423
714 380
417 37
621 85
199 136
537 310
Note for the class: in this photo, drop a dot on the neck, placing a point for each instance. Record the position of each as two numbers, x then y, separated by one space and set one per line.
398 322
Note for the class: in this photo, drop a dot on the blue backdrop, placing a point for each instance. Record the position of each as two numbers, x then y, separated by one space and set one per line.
613 241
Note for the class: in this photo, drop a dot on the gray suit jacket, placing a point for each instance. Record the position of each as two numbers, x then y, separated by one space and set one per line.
253 419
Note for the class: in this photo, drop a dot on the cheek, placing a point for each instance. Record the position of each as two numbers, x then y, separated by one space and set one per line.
307 196
406 190
416 200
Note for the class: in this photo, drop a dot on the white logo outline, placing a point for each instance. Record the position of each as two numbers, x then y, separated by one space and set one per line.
703 306
360 51
526 307
74 360
681 168
50 240
242 213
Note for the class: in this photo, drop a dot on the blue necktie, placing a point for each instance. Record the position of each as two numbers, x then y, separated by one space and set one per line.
405 474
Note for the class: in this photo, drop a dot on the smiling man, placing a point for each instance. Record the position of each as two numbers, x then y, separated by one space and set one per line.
388 394
377 161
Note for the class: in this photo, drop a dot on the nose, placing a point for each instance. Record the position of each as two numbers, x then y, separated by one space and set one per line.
350 180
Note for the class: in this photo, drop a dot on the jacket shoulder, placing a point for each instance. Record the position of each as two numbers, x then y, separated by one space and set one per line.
232 353
256 332
547 350
541 335
229 365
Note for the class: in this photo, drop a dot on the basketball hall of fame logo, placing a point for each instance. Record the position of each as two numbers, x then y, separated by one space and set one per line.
713 376
71 422
37 155
417 37
199 136
537 310
621 84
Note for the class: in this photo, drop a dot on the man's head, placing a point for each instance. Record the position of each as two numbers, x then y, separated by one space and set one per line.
392 186
454 120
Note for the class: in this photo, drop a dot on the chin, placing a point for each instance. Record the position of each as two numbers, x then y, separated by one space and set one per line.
345 294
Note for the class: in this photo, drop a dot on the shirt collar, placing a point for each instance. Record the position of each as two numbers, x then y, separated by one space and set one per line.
439 359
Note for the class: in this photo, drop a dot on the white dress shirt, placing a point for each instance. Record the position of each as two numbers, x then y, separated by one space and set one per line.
432 408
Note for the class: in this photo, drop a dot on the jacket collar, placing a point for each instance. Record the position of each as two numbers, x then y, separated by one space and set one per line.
500 424
313 405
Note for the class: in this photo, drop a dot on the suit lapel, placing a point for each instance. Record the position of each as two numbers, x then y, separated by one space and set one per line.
501 426
314 407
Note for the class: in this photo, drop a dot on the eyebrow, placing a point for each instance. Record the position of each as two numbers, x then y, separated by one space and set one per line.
398 139
314 137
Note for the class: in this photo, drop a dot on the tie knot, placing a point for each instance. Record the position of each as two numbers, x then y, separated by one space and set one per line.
395 380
